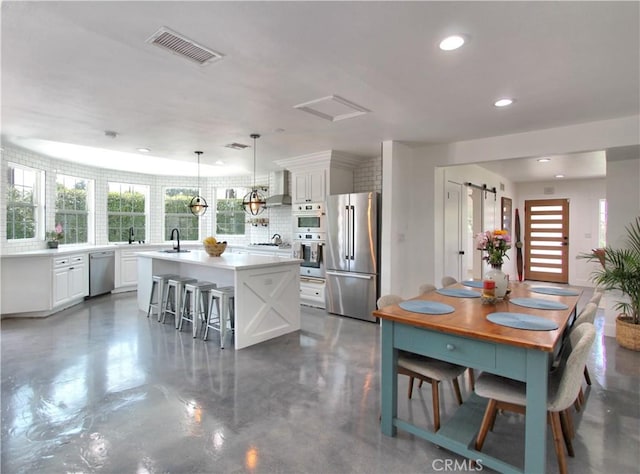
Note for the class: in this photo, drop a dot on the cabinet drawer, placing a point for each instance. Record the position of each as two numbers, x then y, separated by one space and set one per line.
61 262
77 259
456 349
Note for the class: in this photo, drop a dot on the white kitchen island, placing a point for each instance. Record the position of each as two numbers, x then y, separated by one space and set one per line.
267 288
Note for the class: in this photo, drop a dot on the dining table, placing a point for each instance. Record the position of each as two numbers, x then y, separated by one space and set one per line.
515 337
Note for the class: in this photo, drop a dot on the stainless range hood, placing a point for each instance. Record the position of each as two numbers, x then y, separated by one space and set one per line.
279 189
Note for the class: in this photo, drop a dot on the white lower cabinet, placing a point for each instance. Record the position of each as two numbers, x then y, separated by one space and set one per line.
127 268
70 279
312 292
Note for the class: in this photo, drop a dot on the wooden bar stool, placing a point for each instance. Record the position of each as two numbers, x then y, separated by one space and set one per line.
223 299
158 287
195 303
173 297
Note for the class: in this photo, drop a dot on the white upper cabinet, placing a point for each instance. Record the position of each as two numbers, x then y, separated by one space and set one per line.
318 175
308 186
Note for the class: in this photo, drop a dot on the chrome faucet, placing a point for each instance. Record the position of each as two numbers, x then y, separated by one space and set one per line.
131 235
177 234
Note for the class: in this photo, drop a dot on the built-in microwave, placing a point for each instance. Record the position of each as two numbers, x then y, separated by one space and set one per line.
309 218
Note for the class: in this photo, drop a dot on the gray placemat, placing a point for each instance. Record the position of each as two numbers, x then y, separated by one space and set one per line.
426 307
538 303
459 292
549 290
522 321
473 283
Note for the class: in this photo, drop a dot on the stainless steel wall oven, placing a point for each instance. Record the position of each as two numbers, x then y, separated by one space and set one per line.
309 217
310 248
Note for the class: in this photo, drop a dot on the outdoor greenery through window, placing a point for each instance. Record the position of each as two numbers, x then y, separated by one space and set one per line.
24 202
230 216
127 212
72 208
177 214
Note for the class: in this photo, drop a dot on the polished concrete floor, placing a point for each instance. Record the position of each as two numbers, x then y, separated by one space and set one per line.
101 388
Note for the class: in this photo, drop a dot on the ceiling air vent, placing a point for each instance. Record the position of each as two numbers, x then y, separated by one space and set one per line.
183 46
236 146
332 108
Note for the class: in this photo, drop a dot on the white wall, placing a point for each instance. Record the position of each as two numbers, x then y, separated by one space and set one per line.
623 206
584 196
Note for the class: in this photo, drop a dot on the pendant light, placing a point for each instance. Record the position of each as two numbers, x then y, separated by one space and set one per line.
254 203
198 205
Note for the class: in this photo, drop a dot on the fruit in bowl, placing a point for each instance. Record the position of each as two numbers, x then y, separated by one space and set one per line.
213 247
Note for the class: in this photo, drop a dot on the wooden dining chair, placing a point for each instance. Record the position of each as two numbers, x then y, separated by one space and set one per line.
425 369
510 395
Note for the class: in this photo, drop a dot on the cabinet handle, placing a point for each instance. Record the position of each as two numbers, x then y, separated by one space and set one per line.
70 268
450 347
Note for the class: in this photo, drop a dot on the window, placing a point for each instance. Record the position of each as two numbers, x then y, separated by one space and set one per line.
72 207
230 216
177 213
127 210
602 223
25 208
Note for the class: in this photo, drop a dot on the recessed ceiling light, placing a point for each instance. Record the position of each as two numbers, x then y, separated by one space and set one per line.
219 162
559 176
144 150
544 160
503 102
452 42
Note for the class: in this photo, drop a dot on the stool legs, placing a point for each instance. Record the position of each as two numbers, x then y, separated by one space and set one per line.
225 315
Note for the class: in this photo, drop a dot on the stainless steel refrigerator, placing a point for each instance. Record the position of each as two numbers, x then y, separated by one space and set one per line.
351 254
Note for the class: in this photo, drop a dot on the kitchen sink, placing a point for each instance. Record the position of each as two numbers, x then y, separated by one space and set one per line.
176 251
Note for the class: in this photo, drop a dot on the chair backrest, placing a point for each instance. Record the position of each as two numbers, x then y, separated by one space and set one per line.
387 300
448 280
426 288
597 295
582 338
587 315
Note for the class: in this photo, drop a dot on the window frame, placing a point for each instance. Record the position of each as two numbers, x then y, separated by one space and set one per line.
143 189
186 216
87 213
221 194
38 198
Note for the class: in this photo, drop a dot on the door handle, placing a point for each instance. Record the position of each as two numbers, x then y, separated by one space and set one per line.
350 275
460 252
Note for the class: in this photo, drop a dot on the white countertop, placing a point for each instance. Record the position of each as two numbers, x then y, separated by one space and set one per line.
193 246
229 261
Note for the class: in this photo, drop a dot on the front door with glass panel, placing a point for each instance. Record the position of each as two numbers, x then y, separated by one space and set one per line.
546 240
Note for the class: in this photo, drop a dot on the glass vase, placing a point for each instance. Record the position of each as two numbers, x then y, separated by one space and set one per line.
502 280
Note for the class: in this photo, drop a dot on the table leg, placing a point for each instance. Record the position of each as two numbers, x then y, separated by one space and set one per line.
535 455
388 380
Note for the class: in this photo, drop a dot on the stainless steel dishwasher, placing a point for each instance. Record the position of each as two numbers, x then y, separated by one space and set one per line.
101 272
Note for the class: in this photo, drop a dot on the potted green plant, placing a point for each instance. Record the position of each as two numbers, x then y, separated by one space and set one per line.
620 270
54 237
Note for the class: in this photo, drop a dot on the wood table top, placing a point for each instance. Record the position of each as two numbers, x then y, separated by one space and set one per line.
470 317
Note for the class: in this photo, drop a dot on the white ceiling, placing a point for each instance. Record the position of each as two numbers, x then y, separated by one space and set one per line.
72 70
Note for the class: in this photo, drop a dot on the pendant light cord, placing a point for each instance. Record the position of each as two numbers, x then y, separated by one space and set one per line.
255 136
198 153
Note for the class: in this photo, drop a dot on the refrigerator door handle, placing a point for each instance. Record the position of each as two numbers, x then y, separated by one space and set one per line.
352 237
347 233
351 275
